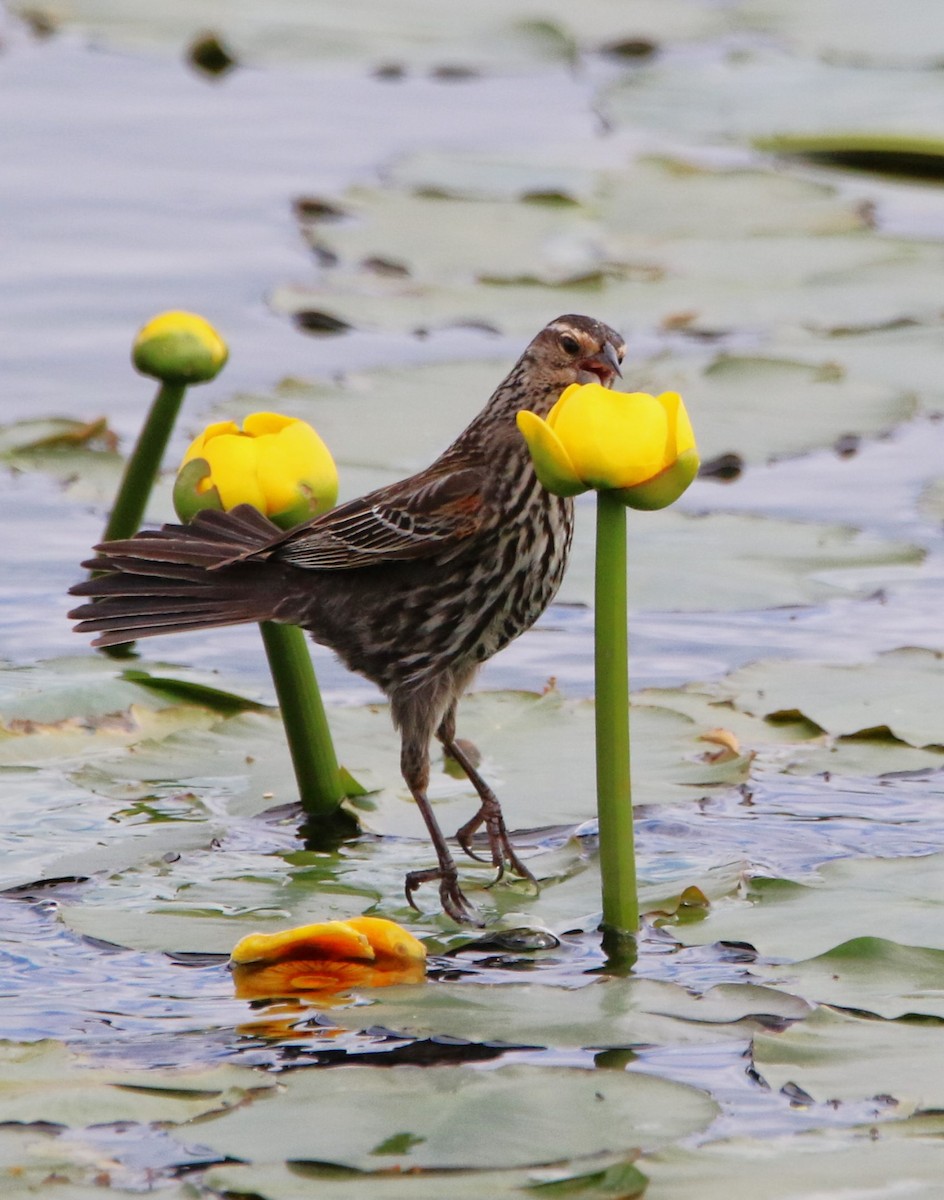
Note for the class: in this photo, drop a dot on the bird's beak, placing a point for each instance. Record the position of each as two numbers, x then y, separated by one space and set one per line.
603 367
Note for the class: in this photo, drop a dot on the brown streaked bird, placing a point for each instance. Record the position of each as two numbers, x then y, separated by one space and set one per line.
413 585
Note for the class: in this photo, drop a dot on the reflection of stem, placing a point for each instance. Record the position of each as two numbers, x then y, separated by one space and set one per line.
614 794
144 463
306 725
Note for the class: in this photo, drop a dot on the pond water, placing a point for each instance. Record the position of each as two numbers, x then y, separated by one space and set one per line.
489 169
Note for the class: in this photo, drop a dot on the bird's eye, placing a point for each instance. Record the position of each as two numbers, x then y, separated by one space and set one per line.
571 345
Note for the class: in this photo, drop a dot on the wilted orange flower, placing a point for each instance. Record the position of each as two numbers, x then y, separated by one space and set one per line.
331 957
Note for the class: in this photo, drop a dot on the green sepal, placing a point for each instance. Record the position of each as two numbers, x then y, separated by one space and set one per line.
188 499
663 489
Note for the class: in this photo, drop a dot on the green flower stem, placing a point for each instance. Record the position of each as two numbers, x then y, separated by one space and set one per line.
144 463
614 793
306 726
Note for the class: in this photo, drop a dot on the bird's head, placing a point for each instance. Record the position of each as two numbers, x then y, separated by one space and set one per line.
576 349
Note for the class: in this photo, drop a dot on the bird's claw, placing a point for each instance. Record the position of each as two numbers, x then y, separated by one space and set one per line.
451 896
502 851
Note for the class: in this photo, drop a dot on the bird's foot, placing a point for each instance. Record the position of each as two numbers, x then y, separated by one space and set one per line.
451 896
499 843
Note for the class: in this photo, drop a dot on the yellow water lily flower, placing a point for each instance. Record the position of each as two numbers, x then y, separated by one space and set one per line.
330 957
277 464
642 447
179 347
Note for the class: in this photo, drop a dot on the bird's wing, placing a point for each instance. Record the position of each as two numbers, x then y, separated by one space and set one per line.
418 518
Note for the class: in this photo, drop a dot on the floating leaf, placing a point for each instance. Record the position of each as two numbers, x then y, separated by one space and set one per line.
508 1117
769 91
898 692
295 1181
45 1082
605 1013
887 154
871 975
837 1056
900 900
860 1164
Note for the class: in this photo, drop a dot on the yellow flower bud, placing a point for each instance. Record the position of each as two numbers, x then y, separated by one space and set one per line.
277 464
179 347
330 957
640 446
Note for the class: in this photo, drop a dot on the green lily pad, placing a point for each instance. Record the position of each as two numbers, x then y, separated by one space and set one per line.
899 351
900 900
656 200
932 501
732 561
898 692
295 1181
768 92
856 31
838 1056
508 1117
566 176
45 1082
437 239
788 739
805 406
490 35
604 1014
82 457
871 975
887 154
859 1164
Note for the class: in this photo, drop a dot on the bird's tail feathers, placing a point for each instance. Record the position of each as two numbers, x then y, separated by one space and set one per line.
180 578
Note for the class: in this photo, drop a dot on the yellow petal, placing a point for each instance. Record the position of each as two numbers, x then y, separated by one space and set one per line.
389 941
295 470
552 463
329 957
195 449
614 439
259 423
233 459
681 436
323 940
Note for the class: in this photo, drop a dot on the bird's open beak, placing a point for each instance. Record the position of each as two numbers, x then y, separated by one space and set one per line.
603 367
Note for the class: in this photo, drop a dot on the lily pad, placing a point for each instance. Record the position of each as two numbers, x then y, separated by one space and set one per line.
603 1014
900 900
489 36
856 31
804 406
837 1056
508 1117
439 239
932 501
899 692
871 975
889 154
660 199
295 1181
860 1164
45 1082
732 561
768 92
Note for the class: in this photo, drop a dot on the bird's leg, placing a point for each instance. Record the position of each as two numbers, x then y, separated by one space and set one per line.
414 762
489 813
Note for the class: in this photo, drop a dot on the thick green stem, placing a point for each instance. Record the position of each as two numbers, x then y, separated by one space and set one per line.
614 793
144 463
306 726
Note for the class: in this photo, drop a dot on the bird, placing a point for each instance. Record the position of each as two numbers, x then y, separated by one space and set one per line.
413 585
